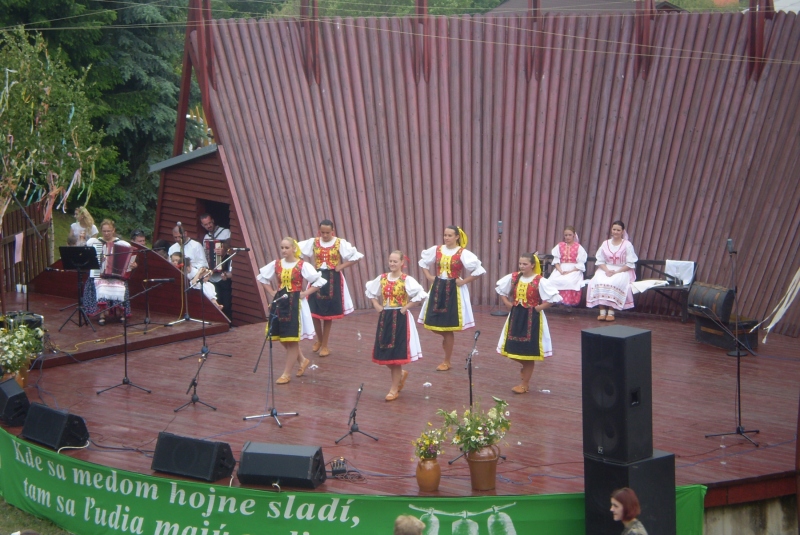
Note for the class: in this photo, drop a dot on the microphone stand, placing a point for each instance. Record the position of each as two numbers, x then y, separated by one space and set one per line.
468 367
272 412
204 352
498 311
125 381
740 429
185 297
352 420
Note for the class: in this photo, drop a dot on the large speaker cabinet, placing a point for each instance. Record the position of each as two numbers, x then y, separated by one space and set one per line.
282 464
617 393
653 480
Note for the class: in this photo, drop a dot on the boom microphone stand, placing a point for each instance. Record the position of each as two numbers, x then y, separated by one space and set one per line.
736 352
272 412
352 420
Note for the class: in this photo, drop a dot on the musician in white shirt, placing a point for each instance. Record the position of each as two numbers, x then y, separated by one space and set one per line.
191 249
106 291
221 280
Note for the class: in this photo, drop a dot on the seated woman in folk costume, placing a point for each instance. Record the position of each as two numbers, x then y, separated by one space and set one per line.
569 265
610 288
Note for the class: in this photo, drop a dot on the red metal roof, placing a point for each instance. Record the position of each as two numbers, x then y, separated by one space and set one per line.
692 155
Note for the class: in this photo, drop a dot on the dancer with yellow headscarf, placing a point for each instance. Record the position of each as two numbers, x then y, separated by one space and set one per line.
292 317
449 267
525 337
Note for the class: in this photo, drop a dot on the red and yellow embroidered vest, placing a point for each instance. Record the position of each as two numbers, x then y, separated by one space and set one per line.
326 255
525 294
449 264
290 279
394 292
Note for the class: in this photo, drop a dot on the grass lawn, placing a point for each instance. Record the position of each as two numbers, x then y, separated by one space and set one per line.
12 519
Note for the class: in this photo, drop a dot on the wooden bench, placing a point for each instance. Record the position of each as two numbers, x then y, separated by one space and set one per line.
654 270
645 269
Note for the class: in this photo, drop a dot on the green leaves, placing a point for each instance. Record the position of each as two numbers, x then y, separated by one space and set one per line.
46 140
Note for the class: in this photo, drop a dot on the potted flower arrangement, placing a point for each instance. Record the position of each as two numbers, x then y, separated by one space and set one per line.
17 347
477 433
427 448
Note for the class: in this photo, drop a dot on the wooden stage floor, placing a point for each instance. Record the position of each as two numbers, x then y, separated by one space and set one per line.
694 387
72 342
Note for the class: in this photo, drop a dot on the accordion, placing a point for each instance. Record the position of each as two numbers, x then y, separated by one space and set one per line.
116 262
215 255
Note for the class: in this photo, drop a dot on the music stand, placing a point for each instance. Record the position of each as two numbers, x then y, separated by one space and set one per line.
79 259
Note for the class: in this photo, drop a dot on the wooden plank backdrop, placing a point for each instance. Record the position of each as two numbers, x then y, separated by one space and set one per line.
692 155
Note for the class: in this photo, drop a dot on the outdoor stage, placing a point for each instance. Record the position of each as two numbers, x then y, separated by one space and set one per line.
694 387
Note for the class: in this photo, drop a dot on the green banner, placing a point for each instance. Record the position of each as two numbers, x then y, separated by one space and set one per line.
89 499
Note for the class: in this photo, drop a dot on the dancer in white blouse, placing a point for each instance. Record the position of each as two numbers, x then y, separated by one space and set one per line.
569 265
329 255
526 337
290 320
396 340
450 267
610 288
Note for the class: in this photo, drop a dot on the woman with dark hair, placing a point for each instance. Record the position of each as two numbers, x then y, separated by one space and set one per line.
625 508
449 267
396 340
569 265
329 255
610 288
293 318
526 337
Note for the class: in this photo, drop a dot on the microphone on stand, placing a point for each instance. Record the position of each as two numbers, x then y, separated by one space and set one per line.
477 334
281 298
159 280
240 249
180 228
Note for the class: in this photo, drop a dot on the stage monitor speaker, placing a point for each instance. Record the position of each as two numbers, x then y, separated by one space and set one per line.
282 464
193 457
54 428
14 403
617 393
653 480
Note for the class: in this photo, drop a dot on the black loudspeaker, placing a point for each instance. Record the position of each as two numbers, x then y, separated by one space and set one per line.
192 457
652 479
14 403
54 428
617 393
282 464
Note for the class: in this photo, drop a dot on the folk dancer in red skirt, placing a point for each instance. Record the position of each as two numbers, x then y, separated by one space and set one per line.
330 255
396 340
526 337
449 267
293 322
